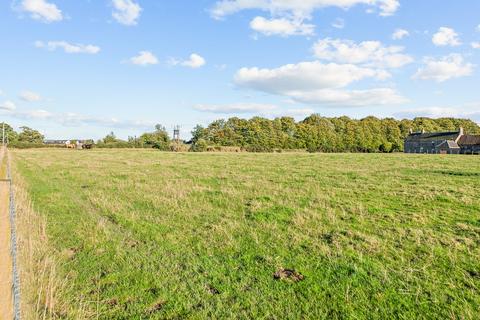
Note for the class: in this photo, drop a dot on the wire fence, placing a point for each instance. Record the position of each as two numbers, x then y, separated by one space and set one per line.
13 240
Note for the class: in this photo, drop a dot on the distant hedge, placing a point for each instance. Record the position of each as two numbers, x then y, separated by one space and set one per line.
29 145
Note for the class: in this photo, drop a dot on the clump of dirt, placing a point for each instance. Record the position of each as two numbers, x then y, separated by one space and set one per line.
211 289
156 307
289 275
69 253
112 302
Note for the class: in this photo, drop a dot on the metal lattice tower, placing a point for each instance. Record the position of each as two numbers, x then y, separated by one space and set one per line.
176 133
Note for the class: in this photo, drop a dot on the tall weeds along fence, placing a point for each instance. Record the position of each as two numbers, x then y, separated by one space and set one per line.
5 176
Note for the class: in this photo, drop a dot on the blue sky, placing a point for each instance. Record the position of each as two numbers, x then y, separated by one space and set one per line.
80 69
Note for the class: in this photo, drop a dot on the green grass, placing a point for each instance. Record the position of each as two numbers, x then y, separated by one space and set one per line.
144 234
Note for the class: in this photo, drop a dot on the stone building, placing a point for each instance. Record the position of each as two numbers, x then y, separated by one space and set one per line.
456 142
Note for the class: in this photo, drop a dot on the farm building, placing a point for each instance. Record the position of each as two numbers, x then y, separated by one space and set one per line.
469 144
456 142
55 142
73 144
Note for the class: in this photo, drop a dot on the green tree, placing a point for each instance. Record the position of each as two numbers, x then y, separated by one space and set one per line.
200 145
30 136
110 138
10 134
158 139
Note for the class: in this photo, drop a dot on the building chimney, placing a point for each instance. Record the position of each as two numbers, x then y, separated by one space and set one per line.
410 131
423 130
460 132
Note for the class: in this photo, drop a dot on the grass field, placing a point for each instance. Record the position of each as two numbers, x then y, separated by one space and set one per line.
144 234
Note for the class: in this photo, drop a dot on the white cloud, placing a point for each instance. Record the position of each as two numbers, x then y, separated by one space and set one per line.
304 76
144 58
42 10
478 28
400 34
126 12
68 47
237 108
195 61
75 120
8 105
265 110
475 45
369 53
299 9
446 37
339 23
351 98
319 84
30 96
445 68
283 27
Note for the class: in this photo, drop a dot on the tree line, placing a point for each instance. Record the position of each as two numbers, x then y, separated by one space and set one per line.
314 134
320 134
25 136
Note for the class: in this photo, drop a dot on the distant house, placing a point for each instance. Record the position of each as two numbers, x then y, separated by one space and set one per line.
456 142
55 142
79 144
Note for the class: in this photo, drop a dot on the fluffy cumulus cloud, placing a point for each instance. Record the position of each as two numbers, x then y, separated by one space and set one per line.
319 84
445 68
283 27
302 9
446 37
42 10
68 47
304 76
236 108
288 17
126 12
30 96
369 53
475 45
144 58
195 61
400 34
8 105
